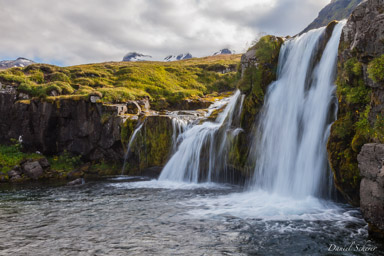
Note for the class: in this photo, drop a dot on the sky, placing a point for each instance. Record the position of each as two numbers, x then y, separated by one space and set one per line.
72 32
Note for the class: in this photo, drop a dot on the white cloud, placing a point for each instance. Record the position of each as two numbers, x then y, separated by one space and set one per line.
73 32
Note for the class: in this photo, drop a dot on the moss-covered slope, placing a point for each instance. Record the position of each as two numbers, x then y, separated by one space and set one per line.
165 82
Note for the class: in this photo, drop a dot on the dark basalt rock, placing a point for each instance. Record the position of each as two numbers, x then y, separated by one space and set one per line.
371 165
77 126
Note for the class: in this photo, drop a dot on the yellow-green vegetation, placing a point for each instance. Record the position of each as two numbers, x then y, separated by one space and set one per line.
11 155
152 144
103 168
376 69
260 71
65 162
123 81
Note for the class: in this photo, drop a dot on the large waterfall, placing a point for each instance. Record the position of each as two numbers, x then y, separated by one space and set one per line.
201 153
290 149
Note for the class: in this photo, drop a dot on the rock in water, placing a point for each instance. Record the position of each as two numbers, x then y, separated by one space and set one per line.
78 181
371 165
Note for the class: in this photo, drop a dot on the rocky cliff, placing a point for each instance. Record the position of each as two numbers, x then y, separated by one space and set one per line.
336 10
371 164
78 126
360 95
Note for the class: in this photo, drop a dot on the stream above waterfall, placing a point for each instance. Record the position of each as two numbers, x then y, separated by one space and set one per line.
134 216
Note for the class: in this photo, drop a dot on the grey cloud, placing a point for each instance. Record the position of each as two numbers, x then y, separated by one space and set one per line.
74 32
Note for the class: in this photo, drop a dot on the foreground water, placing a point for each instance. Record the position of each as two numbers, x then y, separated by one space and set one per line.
132 216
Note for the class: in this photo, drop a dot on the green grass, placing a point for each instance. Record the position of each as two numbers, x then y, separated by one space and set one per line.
65 162
11 155
123 81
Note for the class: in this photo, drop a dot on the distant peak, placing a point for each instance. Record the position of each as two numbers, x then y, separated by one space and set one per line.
183 56
135 56
224 51
19 62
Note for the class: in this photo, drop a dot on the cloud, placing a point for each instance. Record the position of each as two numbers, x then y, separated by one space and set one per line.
74 32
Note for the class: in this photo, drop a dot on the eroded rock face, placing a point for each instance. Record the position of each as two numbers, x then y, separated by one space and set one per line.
364 30
77 126
361 100
371 165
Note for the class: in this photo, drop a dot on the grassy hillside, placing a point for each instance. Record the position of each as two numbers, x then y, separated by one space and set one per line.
122 81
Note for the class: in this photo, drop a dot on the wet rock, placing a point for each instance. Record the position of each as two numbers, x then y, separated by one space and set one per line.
23 96
15 173
133 107
32 169
44 163
192 104
94 98
115 109
371 165
144 104
54 93
75 182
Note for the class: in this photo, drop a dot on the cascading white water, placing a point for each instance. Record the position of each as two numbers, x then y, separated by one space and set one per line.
178 127
291 146
131 140
202 148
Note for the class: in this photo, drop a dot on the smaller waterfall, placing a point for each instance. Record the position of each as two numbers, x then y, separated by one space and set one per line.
131 140
203 147
178 127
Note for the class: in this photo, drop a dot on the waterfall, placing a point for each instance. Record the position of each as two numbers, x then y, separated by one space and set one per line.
201 153
131 140
290 148
178 127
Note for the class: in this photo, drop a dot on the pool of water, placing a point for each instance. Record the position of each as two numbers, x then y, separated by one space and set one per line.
134 216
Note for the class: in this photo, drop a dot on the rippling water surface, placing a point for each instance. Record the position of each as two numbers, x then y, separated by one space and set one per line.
141 217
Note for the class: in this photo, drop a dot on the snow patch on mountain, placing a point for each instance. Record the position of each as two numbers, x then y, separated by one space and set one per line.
19 62
135 56
183 56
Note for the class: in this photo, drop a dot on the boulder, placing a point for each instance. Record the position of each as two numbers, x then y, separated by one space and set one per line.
44 163
15 173
371 165
32 169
